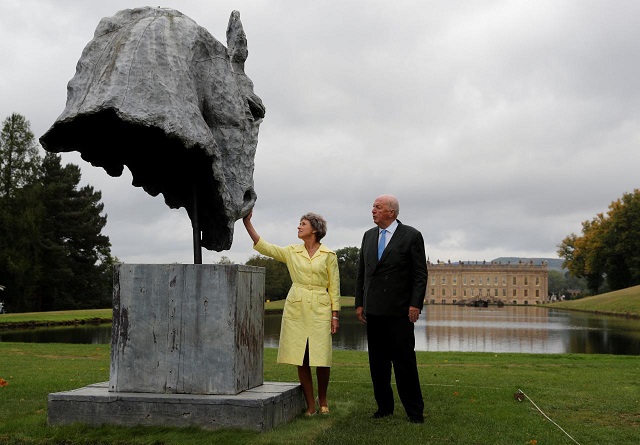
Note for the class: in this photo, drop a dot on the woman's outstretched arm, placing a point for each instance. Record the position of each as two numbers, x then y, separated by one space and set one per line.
249 226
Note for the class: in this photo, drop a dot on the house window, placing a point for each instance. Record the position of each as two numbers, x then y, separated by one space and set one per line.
454 280
444 280
537 281
526 292
433 291
433 281
444 292
526 281
514 281
504 281
537 293
455 292
464 281
514 293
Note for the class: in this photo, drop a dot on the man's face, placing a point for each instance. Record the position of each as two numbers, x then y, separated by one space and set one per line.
382 213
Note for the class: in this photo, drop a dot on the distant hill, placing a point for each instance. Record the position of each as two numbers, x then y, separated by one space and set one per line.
552 263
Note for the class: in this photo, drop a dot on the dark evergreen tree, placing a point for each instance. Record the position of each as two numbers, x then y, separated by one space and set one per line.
20 214
52 251
19 158
76 256
20 254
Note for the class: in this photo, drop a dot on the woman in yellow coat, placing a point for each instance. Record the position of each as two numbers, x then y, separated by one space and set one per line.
311 310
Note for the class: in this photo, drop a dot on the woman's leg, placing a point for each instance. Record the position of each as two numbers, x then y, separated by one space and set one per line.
306 381
323 372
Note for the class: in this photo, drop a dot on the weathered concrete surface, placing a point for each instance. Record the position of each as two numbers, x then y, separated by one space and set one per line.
261 408
156 92
187 328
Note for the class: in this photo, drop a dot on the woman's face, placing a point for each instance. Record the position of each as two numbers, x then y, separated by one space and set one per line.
305 229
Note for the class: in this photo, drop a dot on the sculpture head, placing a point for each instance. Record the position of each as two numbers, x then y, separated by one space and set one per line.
158 93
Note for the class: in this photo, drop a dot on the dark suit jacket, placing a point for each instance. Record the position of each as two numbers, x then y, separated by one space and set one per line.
398 280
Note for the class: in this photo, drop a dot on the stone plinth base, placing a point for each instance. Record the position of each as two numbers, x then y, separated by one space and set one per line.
187 328
261 408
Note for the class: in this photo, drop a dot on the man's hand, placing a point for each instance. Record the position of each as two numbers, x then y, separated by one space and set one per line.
414 313
360 314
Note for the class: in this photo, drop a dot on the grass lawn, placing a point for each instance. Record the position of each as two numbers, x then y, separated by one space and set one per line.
620 302
57 317
469 400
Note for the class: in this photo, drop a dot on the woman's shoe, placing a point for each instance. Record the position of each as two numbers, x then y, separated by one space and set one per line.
324 410
308 414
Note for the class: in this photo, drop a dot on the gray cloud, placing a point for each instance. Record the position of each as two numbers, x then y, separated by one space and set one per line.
500 125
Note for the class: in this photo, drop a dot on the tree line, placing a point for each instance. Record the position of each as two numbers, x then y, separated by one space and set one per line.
607 254
53 255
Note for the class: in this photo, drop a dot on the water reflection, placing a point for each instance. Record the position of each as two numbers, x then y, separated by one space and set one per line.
523 329
86 334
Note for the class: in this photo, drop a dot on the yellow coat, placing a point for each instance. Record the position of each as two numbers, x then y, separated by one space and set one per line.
314 294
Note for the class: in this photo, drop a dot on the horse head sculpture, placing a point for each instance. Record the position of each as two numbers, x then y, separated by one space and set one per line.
158 93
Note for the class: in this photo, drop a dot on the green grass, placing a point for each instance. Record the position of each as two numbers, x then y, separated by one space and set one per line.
58 317
469 400
620 302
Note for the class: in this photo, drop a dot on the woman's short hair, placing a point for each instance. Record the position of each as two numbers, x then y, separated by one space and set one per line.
318 223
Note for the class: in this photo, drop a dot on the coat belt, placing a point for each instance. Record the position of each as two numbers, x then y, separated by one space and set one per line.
310 287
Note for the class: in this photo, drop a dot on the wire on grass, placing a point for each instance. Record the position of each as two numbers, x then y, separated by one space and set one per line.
547 417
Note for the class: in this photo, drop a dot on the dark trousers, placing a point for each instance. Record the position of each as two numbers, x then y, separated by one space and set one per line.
392 342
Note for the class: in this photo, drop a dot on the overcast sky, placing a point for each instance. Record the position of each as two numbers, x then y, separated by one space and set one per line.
499 125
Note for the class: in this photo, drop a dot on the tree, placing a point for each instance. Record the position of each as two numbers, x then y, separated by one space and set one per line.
19 159
53 254
565 284
20 213
609 248
20 232
348 265
556 282
277 280
76 256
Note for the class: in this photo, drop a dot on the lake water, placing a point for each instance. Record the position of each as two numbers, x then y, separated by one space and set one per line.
523 329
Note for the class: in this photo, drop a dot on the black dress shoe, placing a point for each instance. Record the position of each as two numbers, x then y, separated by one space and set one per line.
380 414
416 419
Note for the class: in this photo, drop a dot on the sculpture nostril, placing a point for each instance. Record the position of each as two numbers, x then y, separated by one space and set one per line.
249 196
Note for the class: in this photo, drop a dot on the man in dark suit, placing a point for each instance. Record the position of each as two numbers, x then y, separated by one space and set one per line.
390 291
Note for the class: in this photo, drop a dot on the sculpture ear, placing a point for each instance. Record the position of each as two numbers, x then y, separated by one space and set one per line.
236 41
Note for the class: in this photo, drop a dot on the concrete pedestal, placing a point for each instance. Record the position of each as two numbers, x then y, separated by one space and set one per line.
259 409
187 349
187 328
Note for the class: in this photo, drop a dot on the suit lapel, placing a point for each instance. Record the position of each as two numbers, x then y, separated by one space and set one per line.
373 245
